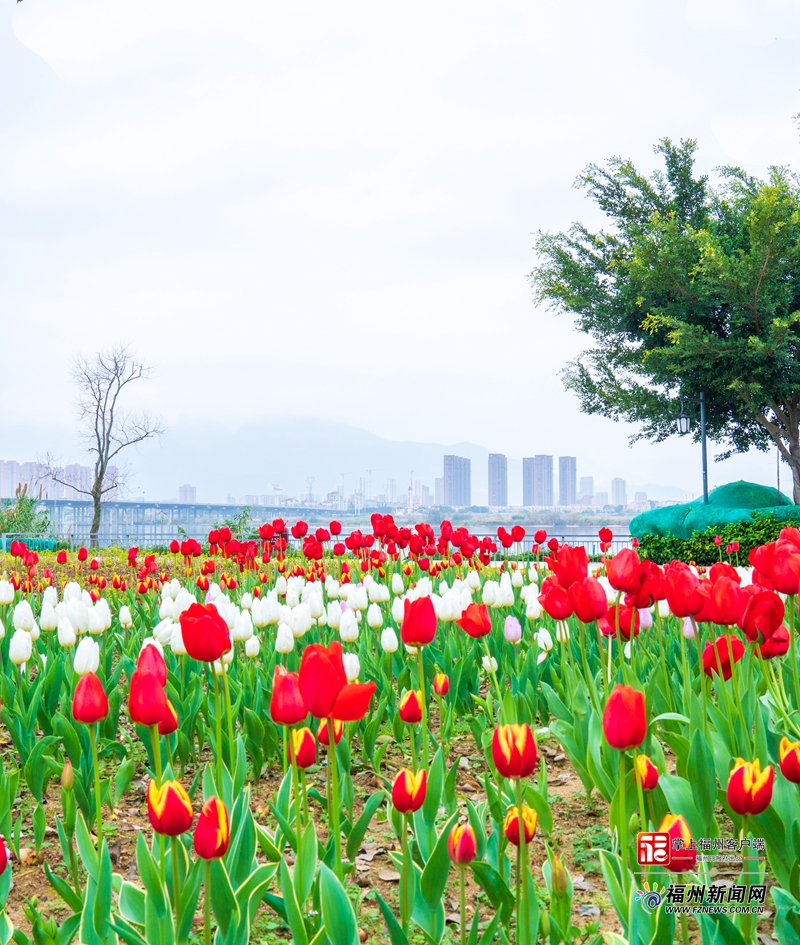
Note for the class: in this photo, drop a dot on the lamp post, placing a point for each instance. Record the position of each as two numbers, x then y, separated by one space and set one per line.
684 424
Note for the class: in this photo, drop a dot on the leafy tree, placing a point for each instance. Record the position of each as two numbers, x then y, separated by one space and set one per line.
694 287
20 515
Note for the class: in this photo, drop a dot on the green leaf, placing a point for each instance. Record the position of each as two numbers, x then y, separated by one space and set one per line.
680 798
123 778
361 826
223 901
433 791
151 878
338 918
396 934
495 888
294 915
434 875
67 893
703 780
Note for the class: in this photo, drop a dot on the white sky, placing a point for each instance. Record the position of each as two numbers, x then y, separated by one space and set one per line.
326 210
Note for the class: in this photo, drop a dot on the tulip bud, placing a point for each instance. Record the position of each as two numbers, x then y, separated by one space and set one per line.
489 664
789 753
125 619
559 881
397 584
169 808
408 791
67 776
625 718
512 630
544 925
284 641
647 773
252 647
348 627
389 640
20 647
323 735
749 788
90 703
212 833
511 825
409 708
303 747
514 750
441 684
633 824
352 666
87 657
462 844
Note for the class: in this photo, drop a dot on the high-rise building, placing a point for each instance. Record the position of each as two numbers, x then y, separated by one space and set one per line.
567 480
619 494
537 481
438 490
391 491
187 495
601 499
586 490
457 481
640 498
498 480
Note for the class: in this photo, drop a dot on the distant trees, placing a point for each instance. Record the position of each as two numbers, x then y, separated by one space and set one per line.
692 288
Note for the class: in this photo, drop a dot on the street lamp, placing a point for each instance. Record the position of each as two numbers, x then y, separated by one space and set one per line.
684 424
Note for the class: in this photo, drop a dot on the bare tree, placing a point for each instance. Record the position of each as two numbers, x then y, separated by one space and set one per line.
106 426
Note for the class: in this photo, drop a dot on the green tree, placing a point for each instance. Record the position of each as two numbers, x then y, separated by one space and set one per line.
21 515
694 287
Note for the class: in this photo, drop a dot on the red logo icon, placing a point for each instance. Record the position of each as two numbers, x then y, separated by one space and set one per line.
653 849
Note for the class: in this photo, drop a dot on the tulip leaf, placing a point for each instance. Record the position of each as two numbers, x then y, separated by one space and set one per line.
434 876
151 878
63 888
361 826
477 822
67 931
102 902
127 933
304 879
396 934
267 844
123 778
680 798
433 792
132 901
702 777
223 900
495 888
70 742
612 867
338 918
86 848
542 808
286 827
294 915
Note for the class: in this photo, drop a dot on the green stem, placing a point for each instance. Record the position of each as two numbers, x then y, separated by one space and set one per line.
218 721
333 818
795 672
97 795
702 676
462 906
175 878
413 748
737 696
405 903
298 825
667 680
623 823
496 683
424 709
585 661
207 905
522 878
156 743
229 715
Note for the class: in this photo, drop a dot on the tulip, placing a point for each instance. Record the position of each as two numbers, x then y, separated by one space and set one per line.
684 859
348 627
151 661
389 641
588 599
20 647
544 642
623 571
90 703
323 734
682 590
419 622
776 645
206 635
147 701
169 721
409 708
556 601
512 630
125 619
514 750
374 617
23 616
212 833
87 657
408 790
625 718
324 686
570 565
789 754
462 845
6 592
48 620
352 666
441 684
626 617
750 788
717 656
284 640
763 613
784 572
242 627
302 746
252 647
511 824
286 706
489 664
169 808
646 772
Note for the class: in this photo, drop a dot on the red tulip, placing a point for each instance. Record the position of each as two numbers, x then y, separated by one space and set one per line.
605 535
90 703
169 723
588 599
174 546
570 565
169 808
212 833
441 684
555 601
514 750
151 661
419 622
680 860
323 735
776 645
789 754
205 633
324 686
647 773
303 746
625 718
717 656
763 613
785 571
650 587
147 701
409 708
728 601
83 554
540 536
511 824
623 571
628 622
476 620
462 845
61 557
682 589
286 705
408 791
750 788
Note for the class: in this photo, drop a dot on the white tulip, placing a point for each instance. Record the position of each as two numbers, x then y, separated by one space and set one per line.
96 621
242 627
445 613
489 595
152 641
517 579
302 620
562 631
284 641
545 643
424 587
66 632
411 650
292 598
281 585
374 617
87 657
258 614
474 580
23 616
272 611
72 591
398 609
50 595
389 640
183 602
20 647
334 614
252 647
220 667
611 594
163 631
104 611
34 631
6 592
645 618
663 609
506 597
352 667
316 606
533 609
331 588
359 600
214 591
247 601
533 574
627 650
375 592
688 628
490 664
86 599
125 619
167 608
348 627
397 583
78 614
47 618
176 643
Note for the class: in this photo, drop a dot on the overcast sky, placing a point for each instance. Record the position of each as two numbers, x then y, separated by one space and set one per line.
326 210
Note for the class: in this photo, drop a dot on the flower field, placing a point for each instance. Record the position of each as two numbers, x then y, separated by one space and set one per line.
404 734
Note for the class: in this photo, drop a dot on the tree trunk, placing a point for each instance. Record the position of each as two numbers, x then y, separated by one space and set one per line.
794 465
93 534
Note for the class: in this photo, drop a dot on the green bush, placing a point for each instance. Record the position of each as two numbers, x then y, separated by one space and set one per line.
700 548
